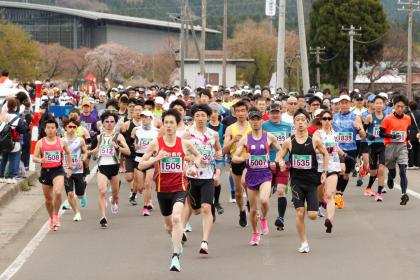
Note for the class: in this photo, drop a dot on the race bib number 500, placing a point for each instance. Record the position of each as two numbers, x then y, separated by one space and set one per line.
171 165
302 161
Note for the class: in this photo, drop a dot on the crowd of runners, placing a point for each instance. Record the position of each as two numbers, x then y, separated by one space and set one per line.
267 143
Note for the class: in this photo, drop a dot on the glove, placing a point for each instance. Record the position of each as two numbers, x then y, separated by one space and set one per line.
394 136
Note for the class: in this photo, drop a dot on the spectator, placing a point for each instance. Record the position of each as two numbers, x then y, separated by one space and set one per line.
5 82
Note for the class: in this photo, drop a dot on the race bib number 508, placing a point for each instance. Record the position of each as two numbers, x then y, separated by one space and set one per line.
52 156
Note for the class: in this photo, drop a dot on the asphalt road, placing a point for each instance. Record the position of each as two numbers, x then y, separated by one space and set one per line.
370 240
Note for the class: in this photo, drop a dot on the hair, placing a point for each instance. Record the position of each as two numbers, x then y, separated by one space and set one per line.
412 105
344 91
314 99
174 113
123 99
66 121
150 103
75 110
399 98
178 102
201 107
253 109
259 97
5 73
108 114
325 112
21 96
51 120
12 105
205 92
112 102
301 112
240 103
133 100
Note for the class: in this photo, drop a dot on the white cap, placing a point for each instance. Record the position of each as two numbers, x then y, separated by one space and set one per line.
114 89
91 100
356 90
208 85
120 87
383 95
102 93
246 87
159 100
44 98
320 95
335 100
344 97
146 113
257 91
215 88
192 94
318 111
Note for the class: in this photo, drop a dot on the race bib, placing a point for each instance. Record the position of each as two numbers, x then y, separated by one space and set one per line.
401 135
331 147
281 136
106 151
302 161
52 156
144 142
86 125
171 165
258 161
206 154
344 137
376 130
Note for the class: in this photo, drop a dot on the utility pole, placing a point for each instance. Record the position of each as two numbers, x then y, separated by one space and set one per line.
317 51
224 42
352 31
281 45
303 49
411 8
203 36
182 42
187 29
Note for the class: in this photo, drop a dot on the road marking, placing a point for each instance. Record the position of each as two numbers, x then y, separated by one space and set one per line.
410 192
35 241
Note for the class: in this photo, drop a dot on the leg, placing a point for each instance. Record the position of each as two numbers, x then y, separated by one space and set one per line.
48 195
148 186
330 186
115 185
58 184
300 223
239 191
177 229
264 194
102 187
207 220
253 201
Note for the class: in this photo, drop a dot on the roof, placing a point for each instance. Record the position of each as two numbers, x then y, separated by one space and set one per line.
99 16
219 60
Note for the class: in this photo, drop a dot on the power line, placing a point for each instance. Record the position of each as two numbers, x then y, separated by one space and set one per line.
372 41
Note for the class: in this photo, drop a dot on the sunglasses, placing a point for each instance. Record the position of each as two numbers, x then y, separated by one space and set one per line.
327 119
315 104
71 126
109 121
293 103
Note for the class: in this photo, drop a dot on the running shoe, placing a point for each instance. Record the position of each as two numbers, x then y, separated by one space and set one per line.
320 214
279 223
52 225
384 190
145 212
188 228
359 182
103 222
264 226
339 201
328 225
378 197
132 200
255 239
354 174
404 199
204 248
390 183
57 222
242 219
83 201
150 205
175 265
66 205
363 171
114 207
219 208
184 238
368 192
77 217
232 200
304 247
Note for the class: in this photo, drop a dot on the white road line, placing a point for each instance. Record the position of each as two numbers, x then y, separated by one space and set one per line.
35 241
410 192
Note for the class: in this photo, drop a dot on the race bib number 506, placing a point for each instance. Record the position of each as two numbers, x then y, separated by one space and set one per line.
302 161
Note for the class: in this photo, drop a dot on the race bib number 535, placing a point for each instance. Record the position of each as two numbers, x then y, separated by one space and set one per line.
302 161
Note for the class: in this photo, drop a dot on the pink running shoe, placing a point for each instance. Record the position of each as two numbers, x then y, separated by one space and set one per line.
378 197
264 226
149 205
52 225
57 222
255 239
145 212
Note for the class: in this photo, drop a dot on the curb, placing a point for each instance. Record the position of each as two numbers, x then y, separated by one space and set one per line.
8 192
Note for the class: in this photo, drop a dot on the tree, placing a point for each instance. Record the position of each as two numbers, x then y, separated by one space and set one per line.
18 53
325 22
53 62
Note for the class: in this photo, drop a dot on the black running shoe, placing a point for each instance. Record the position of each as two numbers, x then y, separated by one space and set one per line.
242 219
328 225
354 174
184 238
404 199
279 223
390 183
248 206
133 201
103 222
219 208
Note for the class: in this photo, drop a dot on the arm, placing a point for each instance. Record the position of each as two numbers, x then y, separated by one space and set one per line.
145 161
95 150
236 158
84 149
321 148
218 147
122 145
276 146
189 148
283 152
68 157
359 126
383 128
37 153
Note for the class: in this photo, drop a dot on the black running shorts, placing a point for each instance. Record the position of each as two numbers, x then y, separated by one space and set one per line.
200 191
302 193
48 175
168 199
109 170
238 168
77 182
376 155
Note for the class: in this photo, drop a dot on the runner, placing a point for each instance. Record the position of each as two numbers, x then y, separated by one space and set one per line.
234 133
171 183
304 176
110 145
78 151
328 137
201 185
376 148
142 136
258 174
362 146
394 129
281 130
48 152
346 124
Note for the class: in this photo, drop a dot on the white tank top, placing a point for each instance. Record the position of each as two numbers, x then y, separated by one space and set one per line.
106 151
144 137
332 148
76 155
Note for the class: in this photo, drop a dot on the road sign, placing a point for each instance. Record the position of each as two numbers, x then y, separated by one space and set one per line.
270 8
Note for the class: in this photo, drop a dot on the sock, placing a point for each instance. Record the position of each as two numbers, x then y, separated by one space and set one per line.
371 181
175 255
217 191
392 174
403 177
281 206
380 188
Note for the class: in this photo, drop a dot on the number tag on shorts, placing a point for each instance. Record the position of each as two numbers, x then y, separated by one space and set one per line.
302 161
376 130
205 154
281 136
344 137
52 156
106 151
171 165
258 161
400 136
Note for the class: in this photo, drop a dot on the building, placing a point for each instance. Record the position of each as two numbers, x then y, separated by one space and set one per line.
78 28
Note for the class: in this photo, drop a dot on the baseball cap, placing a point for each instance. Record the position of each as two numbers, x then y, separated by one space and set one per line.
319 94
371 98
318 112
147 114
159 100
357 96
344 97
383 95
253 114
335 100
86 103
275 107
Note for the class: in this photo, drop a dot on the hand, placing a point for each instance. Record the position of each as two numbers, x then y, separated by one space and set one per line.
137 146
283 167
116 146
394 136
80 165
418 135
68 173
219 155
192 171
237 138
273 166
323 177
43 160
246 156
162 154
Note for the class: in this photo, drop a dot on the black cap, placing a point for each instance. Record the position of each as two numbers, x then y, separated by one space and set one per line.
275 107
357 96
253 114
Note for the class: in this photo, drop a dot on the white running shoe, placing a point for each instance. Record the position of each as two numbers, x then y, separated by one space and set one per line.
304 247
77 217
114 208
